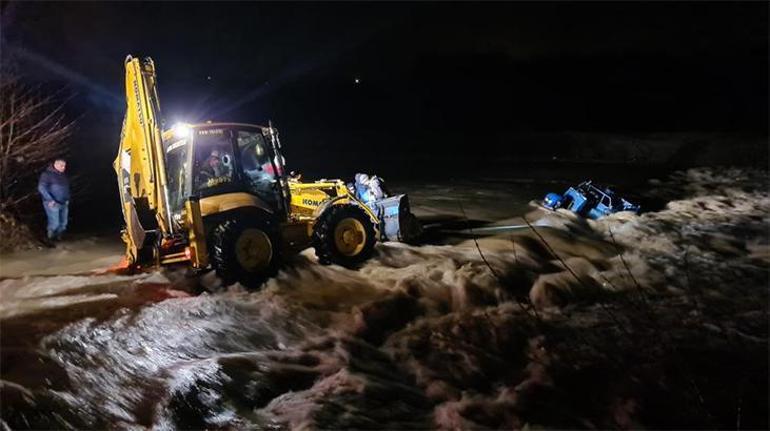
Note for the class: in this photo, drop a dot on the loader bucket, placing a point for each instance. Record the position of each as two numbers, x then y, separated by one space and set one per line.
397 223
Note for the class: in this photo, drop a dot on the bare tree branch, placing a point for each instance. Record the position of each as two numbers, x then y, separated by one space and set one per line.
33 131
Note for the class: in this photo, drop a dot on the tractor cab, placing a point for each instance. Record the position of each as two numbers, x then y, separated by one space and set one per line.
211 160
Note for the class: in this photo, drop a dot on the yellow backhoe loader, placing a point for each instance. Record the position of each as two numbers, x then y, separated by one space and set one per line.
216 196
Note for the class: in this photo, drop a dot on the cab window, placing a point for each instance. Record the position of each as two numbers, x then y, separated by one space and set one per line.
214 158
258 171
177 165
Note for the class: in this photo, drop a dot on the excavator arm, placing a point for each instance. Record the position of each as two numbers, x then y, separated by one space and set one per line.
140 163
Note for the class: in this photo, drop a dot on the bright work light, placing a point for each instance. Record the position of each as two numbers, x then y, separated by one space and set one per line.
181 130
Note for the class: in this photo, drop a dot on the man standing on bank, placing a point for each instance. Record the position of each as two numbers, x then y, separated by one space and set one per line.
54 188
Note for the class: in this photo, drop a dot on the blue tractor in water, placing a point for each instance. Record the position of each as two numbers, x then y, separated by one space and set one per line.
588 200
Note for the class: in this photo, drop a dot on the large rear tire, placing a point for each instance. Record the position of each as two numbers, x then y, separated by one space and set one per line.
245 249
343 235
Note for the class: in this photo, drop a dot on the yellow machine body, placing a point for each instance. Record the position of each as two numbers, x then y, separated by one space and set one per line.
216 204
154 232
306 198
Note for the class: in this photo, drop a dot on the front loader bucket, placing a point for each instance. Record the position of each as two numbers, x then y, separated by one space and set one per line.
397 223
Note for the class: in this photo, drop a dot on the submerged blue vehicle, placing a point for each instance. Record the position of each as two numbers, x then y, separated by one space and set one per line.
590 201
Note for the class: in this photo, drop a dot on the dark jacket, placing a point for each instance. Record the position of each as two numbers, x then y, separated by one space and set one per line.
54 186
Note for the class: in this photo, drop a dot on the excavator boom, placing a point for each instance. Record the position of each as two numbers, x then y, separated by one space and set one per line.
140 164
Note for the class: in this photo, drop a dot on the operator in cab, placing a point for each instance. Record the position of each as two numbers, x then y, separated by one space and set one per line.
213 166
215 169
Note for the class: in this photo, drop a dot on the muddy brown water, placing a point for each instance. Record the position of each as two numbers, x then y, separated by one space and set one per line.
421 337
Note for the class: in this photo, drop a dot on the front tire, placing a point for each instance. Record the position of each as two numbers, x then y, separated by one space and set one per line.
245 249
343 235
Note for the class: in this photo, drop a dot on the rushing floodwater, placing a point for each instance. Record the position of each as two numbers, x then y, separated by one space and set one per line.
656 320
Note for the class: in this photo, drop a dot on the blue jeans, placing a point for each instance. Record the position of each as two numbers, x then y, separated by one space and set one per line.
57 218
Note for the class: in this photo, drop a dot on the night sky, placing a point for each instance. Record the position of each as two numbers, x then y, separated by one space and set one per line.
374 84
